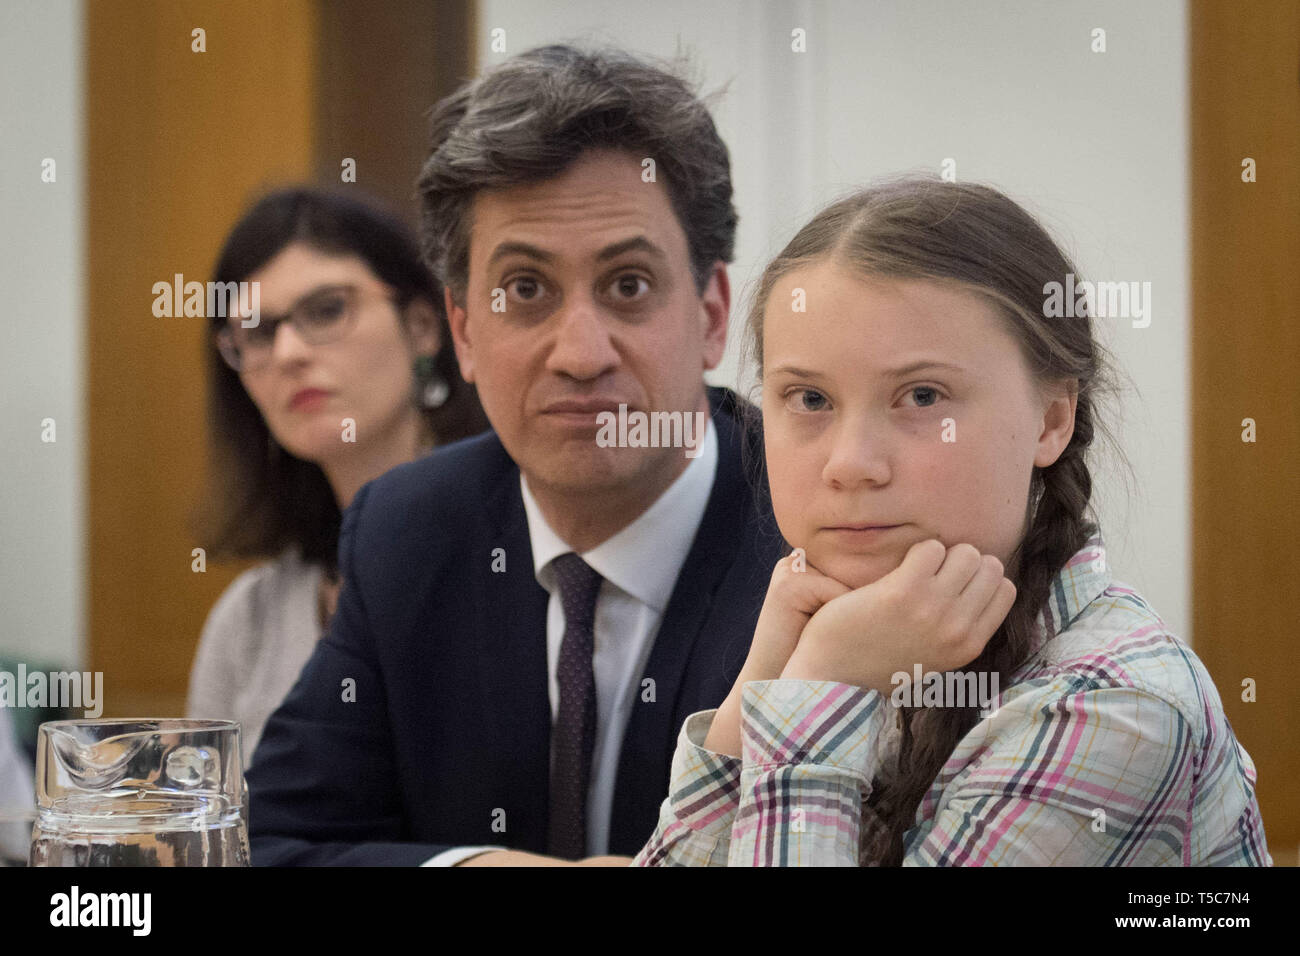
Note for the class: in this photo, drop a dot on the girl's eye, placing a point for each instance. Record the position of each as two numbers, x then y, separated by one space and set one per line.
925 395
629 286
805 400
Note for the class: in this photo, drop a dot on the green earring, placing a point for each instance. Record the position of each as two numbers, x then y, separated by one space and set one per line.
432 387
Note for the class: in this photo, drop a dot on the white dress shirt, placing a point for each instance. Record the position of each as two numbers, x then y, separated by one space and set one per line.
639 567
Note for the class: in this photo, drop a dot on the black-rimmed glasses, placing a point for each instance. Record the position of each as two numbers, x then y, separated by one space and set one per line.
321 317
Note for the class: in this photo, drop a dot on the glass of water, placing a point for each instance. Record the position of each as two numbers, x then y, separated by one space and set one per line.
139 792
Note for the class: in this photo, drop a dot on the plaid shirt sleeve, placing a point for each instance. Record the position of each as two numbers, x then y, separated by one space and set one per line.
695 821
810 750
1062 773
792 734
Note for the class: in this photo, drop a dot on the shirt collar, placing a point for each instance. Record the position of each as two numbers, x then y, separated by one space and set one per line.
645 557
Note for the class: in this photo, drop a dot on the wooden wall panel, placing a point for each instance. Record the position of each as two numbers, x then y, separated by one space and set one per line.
380 70
175 142
1245 92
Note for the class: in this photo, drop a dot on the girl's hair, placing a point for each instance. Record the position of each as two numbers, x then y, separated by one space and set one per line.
261 498
924 228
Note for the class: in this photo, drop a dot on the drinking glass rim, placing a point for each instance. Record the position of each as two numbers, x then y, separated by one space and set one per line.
164 724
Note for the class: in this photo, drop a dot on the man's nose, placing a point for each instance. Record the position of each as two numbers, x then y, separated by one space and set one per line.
858 453
583 348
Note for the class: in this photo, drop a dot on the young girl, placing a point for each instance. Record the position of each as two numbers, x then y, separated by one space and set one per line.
926 429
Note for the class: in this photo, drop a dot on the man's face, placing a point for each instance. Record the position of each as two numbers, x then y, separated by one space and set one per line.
580 298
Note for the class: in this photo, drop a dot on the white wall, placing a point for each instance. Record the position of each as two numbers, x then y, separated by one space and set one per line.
41 367
1094 143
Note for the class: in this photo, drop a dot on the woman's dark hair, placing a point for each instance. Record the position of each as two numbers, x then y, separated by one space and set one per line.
261 498
975 237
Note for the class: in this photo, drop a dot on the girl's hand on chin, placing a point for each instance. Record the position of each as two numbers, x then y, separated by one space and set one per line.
796 592
937 609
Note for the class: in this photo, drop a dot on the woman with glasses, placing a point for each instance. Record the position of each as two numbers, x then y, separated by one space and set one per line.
343 371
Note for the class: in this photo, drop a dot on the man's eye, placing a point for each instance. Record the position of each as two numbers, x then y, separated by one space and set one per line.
524 288
630 286
805 400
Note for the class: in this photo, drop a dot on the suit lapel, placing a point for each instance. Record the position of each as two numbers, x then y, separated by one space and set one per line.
512 660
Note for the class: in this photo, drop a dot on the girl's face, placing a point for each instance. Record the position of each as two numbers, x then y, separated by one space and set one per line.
305 391
899 403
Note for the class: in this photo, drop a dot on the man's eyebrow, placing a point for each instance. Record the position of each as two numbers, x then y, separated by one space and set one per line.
519 248
635 244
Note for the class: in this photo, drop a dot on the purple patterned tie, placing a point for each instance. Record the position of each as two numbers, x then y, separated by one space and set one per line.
573 737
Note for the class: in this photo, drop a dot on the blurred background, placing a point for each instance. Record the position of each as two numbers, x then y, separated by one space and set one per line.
1129 145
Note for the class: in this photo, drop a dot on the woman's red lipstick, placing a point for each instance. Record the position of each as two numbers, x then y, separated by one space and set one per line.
308 399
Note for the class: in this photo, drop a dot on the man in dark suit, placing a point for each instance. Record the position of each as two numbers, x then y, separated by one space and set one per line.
528 617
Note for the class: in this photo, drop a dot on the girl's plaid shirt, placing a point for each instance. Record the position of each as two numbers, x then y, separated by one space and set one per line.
1108 748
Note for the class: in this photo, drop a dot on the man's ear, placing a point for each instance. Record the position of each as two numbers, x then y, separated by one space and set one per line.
1058 423
457 319
715 309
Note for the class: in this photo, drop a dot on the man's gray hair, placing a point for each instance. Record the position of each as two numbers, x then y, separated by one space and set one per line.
531 117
